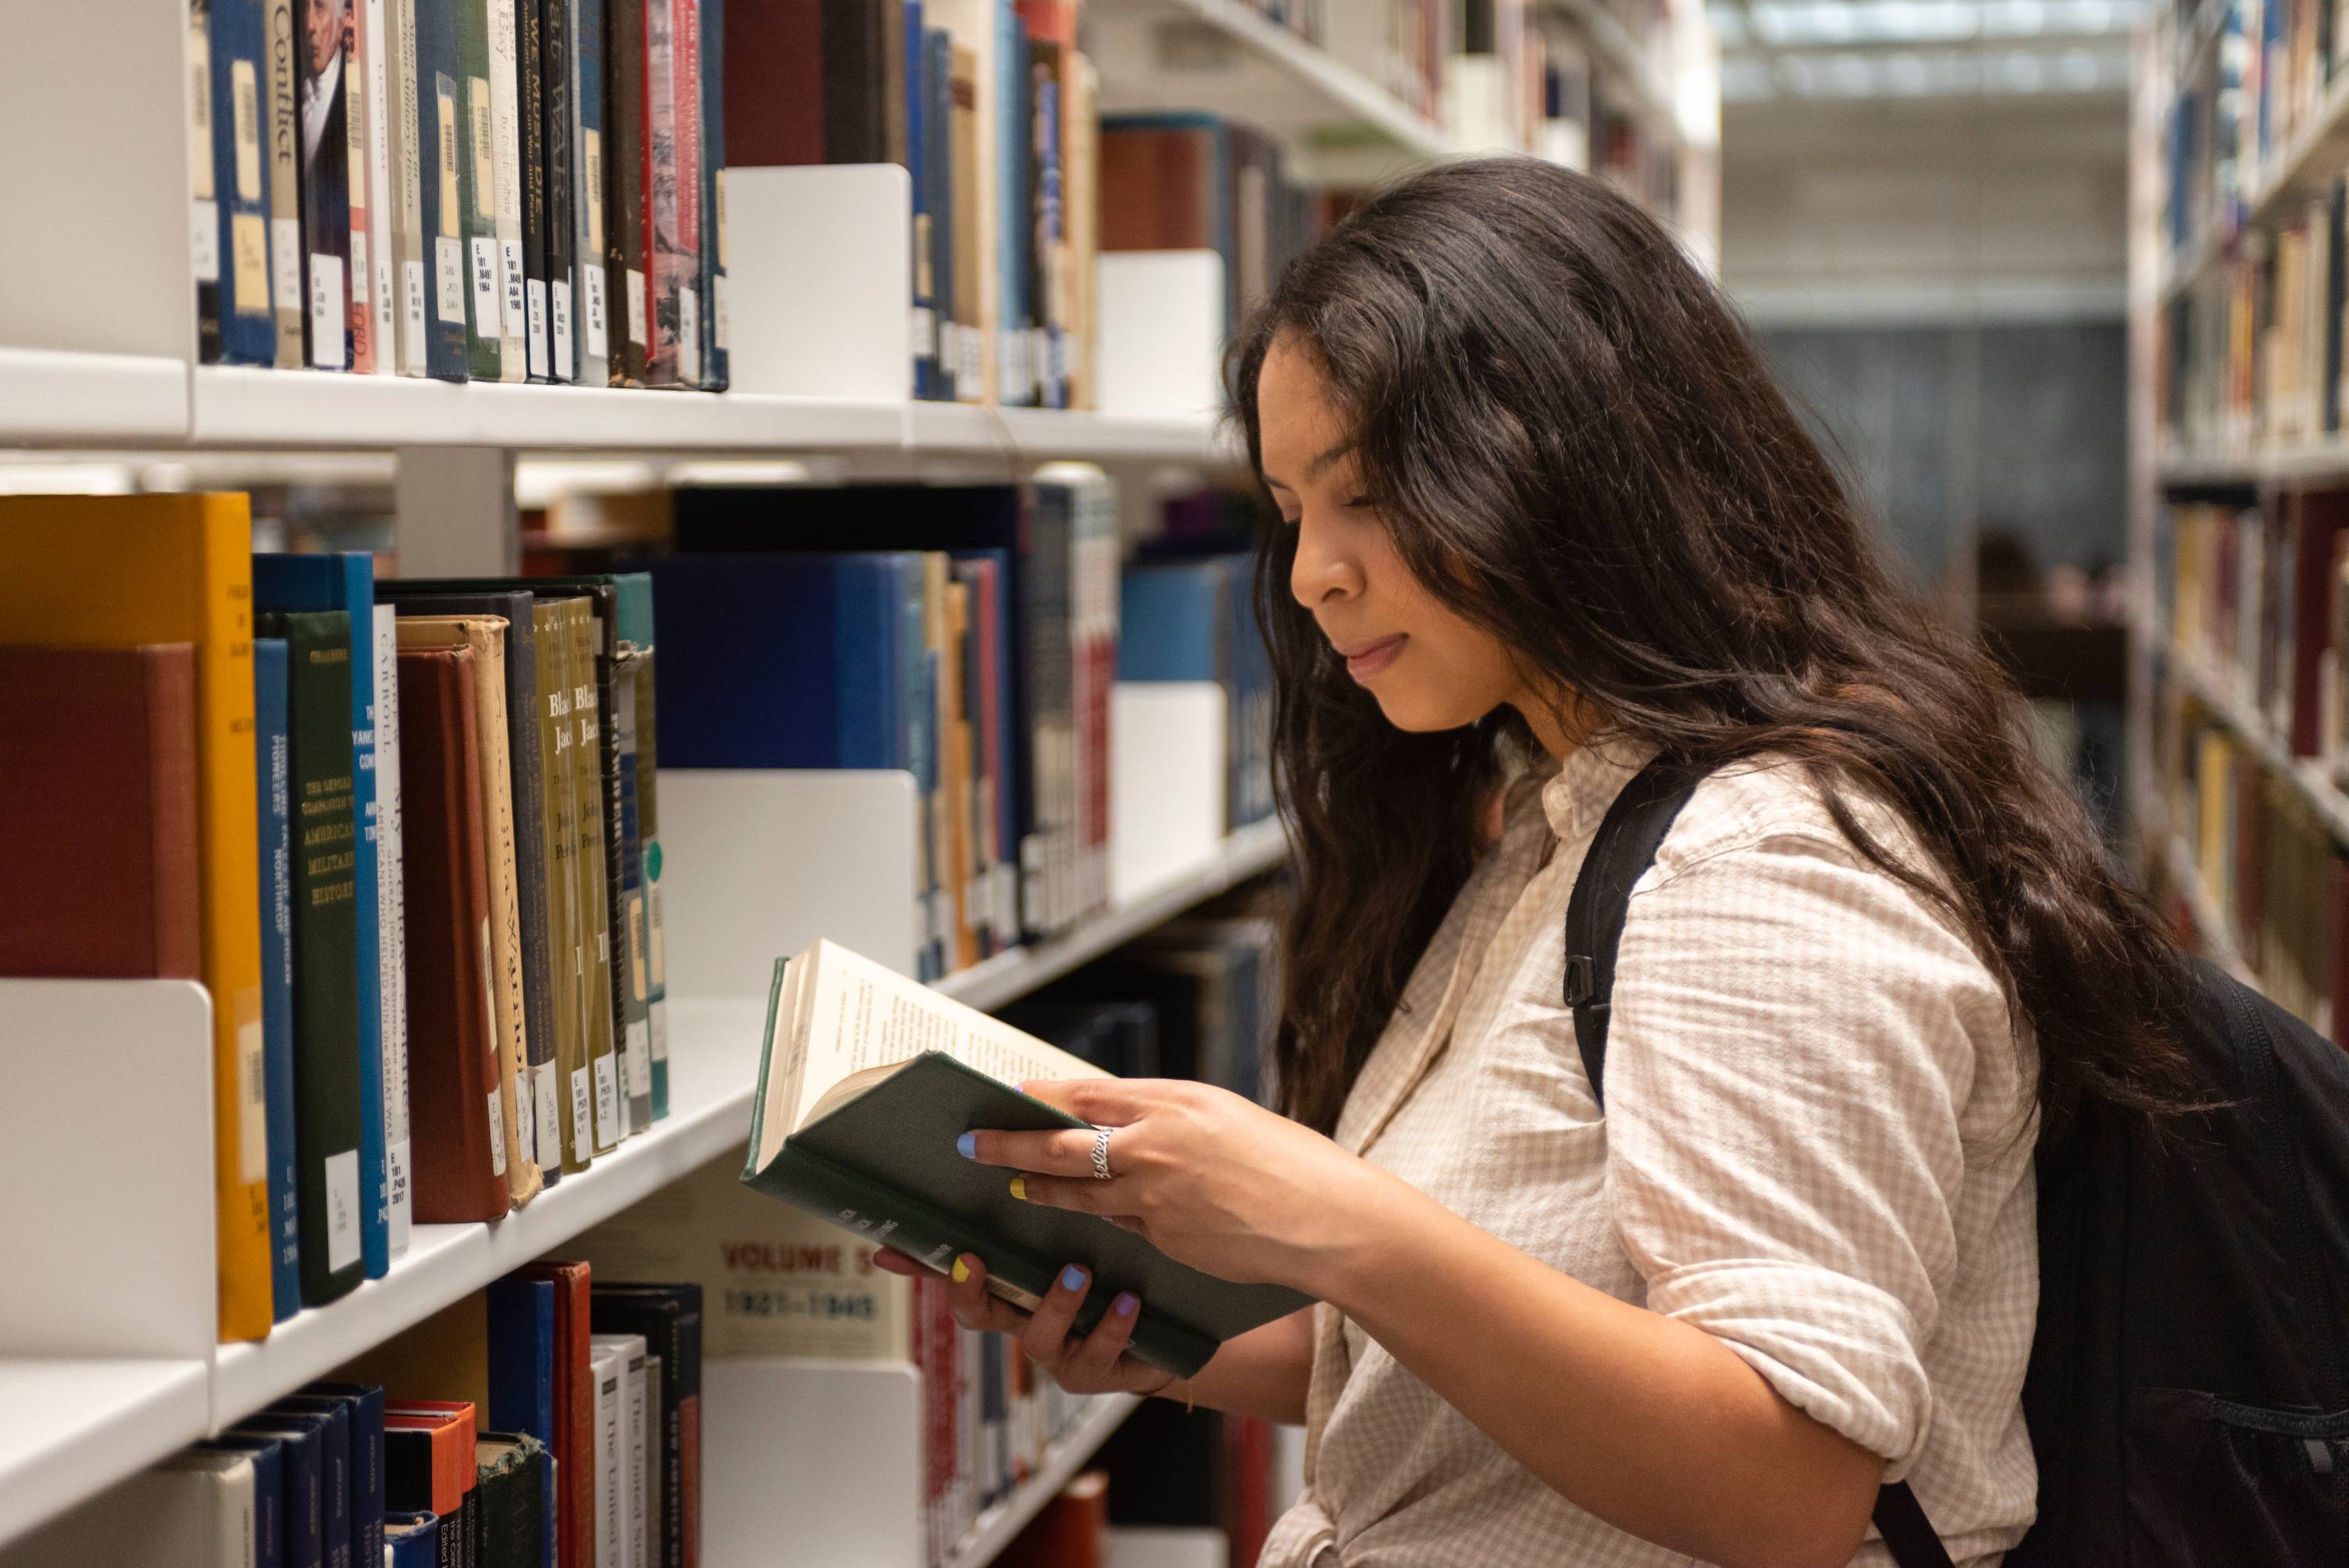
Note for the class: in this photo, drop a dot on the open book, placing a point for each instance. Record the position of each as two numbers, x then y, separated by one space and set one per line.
866 1080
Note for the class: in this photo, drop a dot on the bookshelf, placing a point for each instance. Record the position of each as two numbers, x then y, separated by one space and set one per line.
70 1426
998 1525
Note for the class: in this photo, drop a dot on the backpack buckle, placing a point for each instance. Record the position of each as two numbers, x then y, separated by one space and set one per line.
1581 984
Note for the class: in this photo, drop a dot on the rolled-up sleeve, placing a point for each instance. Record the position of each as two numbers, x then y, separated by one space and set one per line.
1788 1066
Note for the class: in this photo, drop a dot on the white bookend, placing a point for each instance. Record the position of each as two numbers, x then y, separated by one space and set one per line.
1168 781
108 1234
1161 334
818 273
758 864
391 920
822 1455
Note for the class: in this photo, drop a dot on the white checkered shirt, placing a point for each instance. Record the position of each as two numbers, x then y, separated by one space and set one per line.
1816 1147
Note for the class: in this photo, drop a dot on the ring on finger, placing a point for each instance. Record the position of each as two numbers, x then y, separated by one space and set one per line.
1101 1154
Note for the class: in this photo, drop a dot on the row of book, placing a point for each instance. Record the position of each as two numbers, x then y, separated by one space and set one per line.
484 189
405 833
552 1420
2239 82
2273 876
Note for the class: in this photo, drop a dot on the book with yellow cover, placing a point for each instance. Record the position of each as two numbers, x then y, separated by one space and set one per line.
106 571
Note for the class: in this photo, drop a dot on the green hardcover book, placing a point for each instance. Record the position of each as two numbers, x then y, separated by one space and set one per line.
582 636
326 949
873 1148
568 964
648 832
477 193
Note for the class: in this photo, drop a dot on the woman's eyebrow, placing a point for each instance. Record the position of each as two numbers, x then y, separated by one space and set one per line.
1314 468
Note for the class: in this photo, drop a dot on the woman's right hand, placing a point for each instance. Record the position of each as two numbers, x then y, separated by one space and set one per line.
1096 1363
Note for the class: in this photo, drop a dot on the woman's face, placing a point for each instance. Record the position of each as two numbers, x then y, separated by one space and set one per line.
1429 667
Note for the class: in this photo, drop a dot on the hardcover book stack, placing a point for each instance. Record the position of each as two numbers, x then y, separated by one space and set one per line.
988 105
384 824
548 1420
966 634
467 189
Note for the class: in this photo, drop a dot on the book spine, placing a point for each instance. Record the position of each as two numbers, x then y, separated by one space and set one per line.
508 986
446 226
937 175
1050 232
623 197
629 974
656 936
716 372
924 327
477 192
274 760
359 108
203 206
566 1122
531 63
366 1477
589 859
375 1214
383 194
285 269
605 762
241 182
323 118
505 147
1012 382
326 951
526 785
559 139
671 195
411 298
591 293
391 926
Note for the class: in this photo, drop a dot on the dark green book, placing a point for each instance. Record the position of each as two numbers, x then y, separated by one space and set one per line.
325 939
873 1149
477 193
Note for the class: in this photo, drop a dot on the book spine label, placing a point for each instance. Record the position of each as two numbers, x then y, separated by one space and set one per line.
505 128
393 930
286 291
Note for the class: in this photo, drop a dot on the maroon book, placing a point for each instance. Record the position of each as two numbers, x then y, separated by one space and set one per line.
97 788
773 92
455 1121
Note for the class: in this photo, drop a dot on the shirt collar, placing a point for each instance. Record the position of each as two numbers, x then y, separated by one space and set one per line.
1586 782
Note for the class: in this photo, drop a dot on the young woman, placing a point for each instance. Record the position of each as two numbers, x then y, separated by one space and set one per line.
1546 516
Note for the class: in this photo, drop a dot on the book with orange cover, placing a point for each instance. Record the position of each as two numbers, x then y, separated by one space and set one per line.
98 786
427 1468
108 571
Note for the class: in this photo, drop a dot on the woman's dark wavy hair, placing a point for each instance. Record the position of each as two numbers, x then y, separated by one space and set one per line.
1576 446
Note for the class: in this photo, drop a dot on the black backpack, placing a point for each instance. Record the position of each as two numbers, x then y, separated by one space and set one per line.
2186 1394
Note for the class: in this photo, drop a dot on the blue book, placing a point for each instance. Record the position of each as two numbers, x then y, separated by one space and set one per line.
345 582
785 661
411 1540
240 198
1011 130
268 1492
440 105
302 1442
1173 622
274 769
917 154
921 671
333 1471
522 1356
364 1405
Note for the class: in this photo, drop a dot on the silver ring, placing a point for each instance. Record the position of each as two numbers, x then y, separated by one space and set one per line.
1101 1154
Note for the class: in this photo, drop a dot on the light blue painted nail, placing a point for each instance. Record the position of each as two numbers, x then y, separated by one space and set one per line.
1072 1278
1126 1301
968 1146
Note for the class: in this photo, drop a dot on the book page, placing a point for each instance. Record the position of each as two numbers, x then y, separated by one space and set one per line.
865 1015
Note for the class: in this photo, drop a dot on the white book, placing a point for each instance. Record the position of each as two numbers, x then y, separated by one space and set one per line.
505 141
380 191
391 923
630 1468
651 1429
607 1372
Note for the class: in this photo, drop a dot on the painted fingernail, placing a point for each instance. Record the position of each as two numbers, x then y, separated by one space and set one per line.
961 1271
1125 1303
1072 1278
1019 1188
968 1146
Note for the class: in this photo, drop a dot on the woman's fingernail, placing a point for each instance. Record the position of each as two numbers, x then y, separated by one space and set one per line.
968 1146
1125 1303
1072 1278
1019 1188
961 1271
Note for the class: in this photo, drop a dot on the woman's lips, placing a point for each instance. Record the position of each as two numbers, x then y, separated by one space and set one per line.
1366 659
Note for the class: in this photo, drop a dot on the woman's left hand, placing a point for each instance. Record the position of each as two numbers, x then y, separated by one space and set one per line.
1213 1181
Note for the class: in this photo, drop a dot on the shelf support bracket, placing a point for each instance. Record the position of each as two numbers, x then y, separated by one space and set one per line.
455 513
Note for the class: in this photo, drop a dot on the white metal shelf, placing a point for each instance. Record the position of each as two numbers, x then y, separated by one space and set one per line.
68 1429
1000 1525
2298 462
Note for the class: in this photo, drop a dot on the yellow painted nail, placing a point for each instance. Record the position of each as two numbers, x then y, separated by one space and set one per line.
1019 1188
961 1271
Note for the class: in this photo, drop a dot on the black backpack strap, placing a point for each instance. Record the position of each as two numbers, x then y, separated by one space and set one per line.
1620 854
